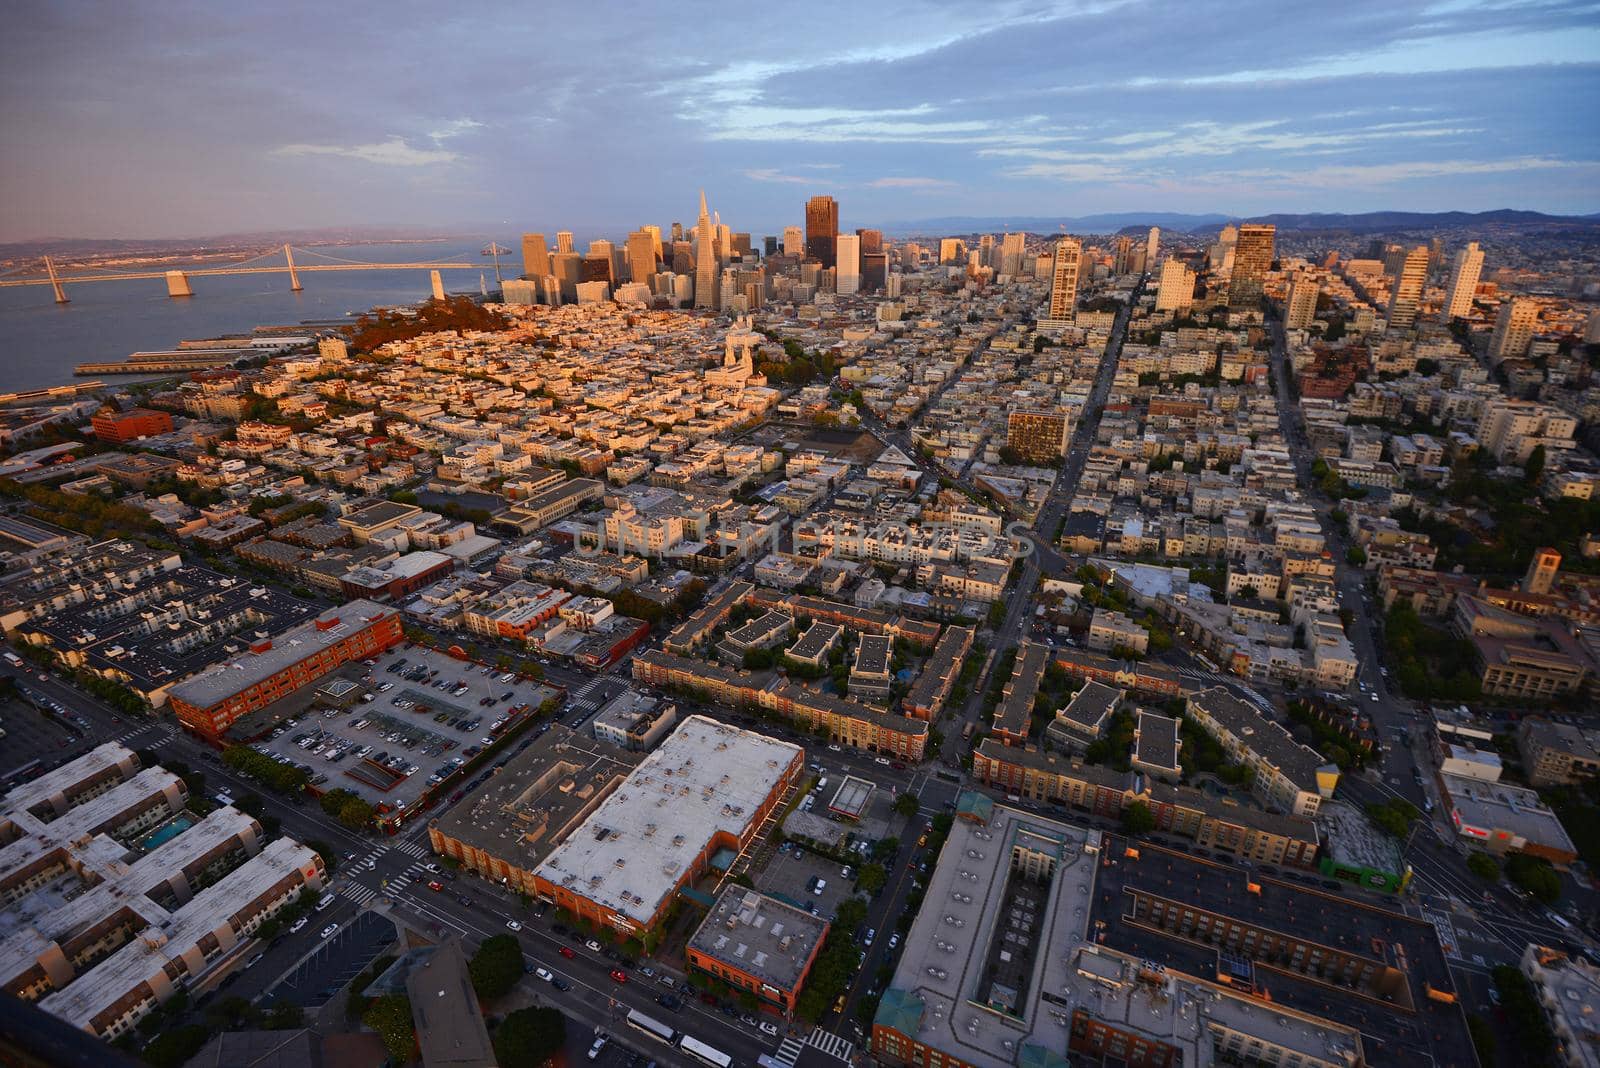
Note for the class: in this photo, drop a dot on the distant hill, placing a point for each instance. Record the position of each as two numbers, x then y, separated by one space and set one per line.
1105 223
1375 222
1134 222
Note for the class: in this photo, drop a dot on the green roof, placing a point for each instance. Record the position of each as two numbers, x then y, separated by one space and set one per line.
975 806
899 1010
1038 1057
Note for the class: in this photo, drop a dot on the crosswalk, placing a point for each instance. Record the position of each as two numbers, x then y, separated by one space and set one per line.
413 849
583 700
789 1050
360 894
831 1044
148 733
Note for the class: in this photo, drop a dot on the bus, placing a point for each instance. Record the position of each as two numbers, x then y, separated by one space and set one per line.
704 1053
651 1026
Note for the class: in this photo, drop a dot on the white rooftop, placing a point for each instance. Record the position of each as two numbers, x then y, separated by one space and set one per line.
633 851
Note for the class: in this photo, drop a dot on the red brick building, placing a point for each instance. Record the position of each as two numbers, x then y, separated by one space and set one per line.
212 701
130 425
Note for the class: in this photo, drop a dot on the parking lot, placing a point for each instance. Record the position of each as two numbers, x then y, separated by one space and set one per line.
341 957
31 735
416 716
792 875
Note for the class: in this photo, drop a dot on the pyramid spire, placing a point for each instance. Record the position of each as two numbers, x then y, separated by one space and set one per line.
702 203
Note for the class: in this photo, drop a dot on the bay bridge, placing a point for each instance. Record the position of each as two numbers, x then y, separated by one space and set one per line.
178 279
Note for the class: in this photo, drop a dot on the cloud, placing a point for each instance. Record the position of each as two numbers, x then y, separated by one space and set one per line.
910 183
391 153
772 174
454 128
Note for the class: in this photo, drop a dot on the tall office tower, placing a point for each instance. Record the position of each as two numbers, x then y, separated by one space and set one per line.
1435 255
810 273
677 232
847 273
1375 249
1513 329
1011 249
794 242
1464 274
655 236
1176 290
706 267
1301 307
874 271
741 246
952 252
910 254
822 230
535 256
769 245
1407 291
641 256
1064 281
682 257
597 267
891 287
724 238
986 251
1122 258
566 267
1394 259
1152 245
600 247
1252 259
871 240
564 241
550 290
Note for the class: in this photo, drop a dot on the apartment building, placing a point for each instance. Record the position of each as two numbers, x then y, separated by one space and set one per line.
1288 775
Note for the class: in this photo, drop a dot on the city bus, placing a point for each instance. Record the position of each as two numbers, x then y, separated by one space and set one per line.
704 1053
651 1026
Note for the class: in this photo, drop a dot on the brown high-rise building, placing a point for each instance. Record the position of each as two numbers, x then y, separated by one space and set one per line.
822 230
871 240
535 256
1252 259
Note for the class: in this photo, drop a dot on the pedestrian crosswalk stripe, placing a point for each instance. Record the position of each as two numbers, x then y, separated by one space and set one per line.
789 1051
830 1043
361 895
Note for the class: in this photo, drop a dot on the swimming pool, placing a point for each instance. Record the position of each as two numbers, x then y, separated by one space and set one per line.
166 832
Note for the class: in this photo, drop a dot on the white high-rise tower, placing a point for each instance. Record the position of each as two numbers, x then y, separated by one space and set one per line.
1464 274
1152 245
847 276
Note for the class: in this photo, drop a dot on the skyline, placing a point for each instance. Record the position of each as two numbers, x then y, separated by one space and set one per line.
191 120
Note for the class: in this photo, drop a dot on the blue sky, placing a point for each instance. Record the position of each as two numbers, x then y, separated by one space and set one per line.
181 119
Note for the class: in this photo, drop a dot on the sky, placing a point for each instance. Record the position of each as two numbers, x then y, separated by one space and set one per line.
186 119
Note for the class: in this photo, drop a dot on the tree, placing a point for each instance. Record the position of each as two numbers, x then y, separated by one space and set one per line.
1534 875
496 967
1355 555
529 1036
390 1016
1138 819
884 849
1483 866
172 1048
1393 817
334 800
1534 467
906 805
355 814
872 878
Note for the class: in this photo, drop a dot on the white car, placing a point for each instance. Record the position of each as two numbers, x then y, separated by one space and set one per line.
298 925
513 925
328 930
543 973
768 1029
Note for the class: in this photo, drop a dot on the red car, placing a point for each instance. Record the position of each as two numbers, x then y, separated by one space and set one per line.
566 951
436 886
618 975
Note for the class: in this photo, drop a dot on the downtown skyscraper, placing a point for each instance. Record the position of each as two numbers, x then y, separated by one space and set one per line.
706 267
822 230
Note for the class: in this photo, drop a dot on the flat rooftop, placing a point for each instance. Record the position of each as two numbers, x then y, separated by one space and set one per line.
851 797
817 637
1265 737
944 994
1352 839
1156 741
1429 1032
1090 707
1015 712
760 936
444 1008
1496 807
289 648
635 849
872 655
532 803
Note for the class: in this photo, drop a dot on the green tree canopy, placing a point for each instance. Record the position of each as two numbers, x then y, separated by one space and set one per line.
496 967
1137 818
529 1037
390 1017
